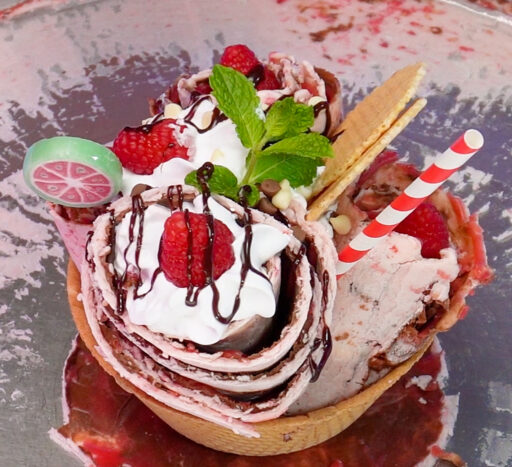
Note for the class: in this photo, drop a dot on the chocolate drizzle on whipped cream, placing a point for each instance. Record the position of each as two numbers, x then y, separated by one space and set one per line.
217 115
131 276
204 173
323 106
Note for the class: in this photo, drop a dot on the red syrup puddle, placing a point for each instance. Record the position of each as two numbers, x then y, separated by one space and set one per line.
114 428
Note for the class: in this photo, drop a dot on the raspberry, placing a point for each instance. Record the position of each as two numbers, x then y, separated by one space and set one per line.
174 251
239 57
144 148
428 225
269 81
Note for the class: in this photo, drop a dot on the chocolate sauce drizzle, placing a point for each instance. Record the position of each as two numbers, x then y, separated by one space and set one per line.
89 258
317 108
326 340
137 212
175 199
336 135
217 115
203 175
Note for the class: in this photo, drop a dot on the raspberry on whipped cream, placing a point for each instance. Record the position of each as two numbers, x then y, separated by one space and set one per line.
219 144
210 137
264 328
162 305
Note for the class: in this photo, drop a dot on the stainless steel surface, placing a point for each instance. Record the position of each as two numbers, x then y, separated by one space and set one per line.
86 68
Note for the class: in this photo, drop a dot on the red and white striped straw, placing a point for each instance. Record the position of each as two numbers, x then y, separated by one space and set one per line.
444 165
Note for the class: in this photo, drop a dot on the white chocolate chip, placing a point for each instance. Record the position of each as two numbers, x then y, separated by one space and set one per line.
341 224
172 110
285 184
283 197
206 119
217 156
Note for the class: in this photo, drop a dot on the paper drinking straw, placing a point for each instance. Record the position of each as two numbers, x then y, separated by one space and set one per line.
444 165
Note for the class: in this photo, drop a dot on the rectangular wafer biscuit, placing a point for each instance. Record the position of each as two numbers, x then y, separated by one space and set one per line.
372 117
327 197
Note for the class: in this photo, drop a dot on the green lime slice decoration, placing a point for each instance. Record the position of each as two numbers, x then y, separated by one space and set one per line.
72 171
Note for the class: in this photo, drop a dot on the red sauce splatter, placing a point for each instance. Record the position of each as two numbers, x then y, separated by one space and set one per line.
113 427
466 49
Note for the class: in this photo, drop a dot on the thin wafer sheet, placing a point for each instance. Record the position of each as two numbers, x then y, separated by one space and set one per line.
326 198
365 124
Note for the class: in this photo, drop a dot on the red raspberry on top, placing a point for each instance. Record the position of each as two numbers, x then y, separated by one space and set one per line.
144 148
428 225
174 250
239 57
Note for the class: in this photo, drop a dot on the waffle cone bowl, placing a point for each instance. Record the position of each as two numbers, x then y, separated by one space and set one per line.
362 139
279 436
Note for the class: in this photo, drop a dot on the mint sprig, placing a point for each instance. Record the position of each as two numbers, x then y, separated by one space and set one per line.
284 128
279 142
310 145
286 118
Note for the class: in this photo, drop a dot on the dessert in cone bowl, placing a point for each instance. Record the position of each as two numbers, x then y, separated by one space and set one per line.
289 433
279 436
210 289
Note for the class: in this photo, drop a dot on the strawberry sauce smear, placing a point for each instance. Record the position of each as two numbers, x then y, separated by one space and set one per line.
113 428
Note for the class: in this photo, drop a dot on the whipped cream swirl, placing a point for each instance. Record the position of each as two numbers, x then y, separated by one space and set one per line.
163 309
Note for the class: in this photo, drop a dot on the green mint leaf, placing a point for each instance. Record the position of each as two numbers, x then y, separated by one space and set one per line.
298 170
222 182
287 118
237 98
310 145
252 195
